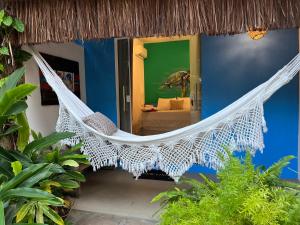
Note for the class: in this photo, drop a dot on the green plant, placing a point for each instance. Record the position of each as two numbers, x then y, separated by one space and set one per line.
18 189
243 195
8 54
58 174
43 149
12 107
60 179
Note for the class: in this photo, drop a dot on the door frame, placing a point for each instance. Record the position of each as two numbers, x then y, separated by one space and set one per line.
117 84
117 80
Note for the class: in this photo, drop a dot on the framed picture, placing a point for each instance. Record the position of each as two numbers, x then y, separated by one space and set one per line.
67 70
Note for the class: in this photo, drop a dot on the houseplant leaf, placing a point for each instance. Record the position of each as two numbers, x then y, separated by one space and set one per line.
52 202
23 131
14 95
73 156
1 68
74 148
10 214
46 142
52 215
46 185
75 175
55 168
32 193
12 80
68 184
6 155
18 25
6 170
23 211
43 173
39 214
21 157
3 178
17 167
7 21
2 13
21 177
2 216
70 162
4 51
18 107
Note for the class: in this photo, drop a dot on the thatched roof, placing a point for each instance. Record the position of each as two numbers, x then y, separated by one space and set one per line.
65 20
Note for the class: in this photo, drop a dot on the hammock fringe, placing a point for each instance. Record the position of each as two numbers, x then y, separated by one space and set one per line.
201 148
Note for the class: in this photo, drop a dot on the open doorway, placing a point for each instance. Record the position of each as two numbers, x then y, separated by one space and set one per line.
166 90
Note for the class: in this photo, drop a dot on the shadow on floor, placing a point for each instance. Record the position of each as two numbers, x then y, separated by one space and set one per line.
116 194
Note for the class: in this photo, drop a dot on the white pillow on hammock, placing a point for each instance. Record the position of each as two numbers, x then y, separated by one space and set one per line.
100 123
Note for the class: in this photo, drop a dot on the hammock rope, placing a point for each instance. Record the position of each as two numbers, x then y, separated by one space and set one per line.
239 126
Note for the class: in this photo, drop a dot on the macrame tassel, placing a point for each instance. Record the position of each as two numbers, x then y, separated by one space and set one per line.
264 125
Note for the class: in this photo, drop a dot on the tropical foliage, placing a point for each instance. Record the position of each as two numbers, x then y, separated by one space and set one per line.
8 54
55 178
243 195
18 189
13 106
34 175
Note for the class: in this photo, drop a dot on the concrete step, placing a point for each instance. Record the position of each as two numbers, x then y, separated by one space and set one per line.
79 217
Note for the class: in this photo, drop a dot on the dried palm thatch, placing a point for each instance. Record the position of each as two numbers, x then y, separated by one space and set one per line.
65 20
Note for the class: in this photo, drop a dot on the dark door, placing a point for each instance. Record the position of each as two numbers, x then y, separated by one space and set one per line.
124 50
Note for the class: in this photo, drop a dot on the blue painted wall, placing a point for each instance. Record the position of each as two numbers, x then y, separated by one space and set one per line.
233 65
100 76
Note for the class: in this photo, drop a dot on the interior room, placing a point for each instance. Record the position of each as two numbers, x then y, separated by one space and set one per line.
166 90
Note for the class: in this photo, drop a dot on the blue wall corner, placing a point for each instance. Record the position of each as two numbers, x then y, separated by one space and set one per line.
100 76
233 65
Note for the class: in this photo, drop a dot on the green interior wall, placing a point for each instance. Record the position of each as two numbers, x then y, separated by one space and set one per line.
163 59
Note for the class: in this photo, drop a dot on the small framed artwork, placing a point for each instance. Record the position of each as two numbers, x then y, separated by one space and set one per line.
67 70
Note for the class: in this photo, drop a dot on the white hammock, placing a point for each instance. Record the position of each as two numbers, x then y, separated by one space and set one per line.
239 126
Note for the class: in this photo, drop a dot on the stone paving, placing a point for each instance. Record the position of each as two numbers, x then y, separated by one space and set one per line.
79 217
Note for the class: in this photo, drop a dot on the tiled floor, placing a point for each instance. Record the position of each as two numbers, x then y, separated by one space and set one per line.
113 197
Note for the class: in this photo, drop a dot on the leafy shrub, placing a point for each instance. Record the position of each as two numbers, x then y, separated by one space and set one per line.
13 106
57 177
34 176
10 56
16 191
243 195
